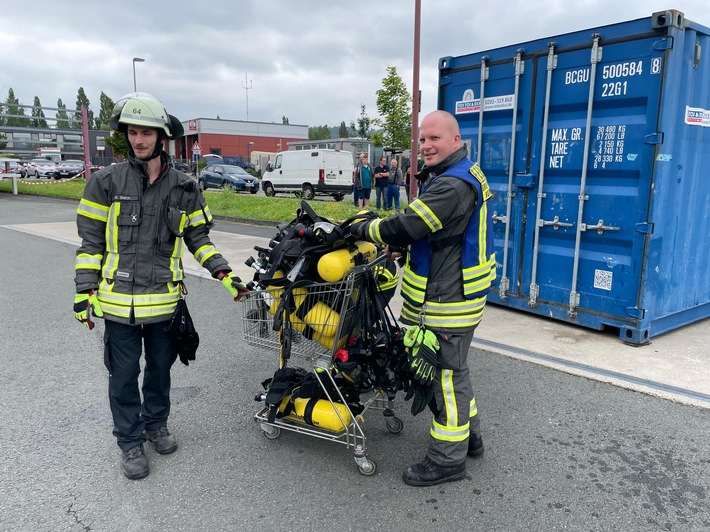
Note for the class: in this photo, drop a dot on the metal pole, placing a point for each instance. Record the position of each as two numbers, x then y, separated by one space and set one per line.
416 104
136 60
85 143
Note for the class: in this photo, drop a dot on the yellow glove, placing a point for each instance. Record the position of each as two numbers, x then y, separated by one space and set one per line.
84 305
234 285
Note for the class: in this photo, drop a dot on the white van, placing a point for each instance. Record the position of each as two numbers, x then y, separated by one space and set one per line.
310 172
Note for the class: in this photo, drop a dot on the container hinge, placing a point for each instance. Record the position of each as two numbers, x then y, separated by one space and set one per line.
644 228
654 138
444 80
503 288
534 292
663 44
636 312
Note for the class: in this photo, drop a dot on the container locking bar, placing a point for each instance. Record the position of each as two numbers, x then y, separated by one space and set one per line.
595 59
600 227
551 65
555 223
504 280
484 78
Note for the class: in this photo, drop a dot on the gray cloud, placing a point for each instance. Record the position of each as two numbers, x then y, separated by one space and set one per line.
314 61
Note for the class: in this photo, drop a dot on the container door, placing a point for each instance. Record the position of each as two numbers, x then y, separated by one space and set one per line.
567 141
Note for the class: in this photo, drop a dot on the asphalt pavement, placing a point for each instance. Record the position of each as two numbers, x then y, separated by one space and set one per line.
563 451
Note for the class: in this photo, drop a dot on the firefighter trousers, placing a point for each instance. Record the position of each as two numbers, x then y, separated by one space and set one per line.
123 345
454 406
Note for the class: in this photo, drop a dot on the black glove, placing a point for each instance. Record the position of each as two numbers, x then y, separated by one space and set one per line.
358 229
423 395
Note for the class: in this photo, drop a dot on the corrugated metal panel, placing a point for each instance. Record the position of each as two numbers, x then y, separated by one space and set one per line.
597 147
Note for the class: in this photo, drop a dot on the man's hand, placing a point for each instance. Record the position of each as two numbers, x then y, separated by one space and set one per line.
234 285
84 305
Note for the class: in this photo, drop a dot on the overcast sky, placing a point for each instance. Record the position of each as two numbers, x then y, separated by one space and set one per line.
314 61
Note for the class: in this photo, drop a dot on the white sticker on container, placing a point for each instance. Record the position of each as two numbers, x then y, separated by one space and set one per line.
664 157
697 116
602 279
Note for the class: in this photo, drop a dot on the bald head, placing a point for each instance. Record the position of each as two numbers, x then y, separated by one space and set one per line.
439 137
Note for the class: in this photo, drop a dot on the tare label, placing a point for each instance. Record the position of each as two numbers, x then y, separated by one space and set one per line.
491 103
695 116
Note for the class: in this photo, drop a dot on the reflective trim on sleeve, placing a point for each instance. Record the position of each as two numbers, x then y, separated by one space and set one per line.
92 210
84 261
373 231
204 253
426 214
199 217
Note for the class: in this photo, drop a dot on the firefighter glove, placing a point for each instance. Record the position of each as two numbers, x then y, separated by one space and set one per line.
422 353
234 286
85 304
423 395
359 230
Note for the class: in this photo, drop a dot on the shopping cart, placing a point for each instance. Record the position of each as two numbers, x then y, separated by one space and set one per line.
329 332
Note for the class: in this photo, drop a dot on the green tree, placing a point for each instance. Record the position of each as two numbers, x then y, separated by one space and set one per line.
2 118
61 116
12 107
38 118
343 132
82 99
284 119
318 133
3 141
105 112
393 104
363 123
118 143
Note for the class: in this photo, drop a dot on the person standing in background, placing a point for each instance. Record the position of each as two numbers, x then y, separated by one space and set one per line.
381 177
394 181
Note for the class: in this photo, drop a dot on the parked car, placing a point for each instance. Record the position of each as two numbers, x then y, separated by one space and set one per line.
41 168
182 166
68 169
224 175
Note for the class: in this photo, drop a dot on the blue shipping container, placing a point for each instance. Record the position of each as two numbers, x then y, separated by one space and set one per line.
596 145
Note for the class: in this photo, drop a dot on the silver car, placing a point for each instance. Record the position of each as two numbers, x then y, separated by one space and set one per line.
41 168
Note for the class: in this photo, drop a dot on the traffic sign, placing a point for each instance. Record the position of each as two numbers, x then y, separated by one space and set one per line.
196 146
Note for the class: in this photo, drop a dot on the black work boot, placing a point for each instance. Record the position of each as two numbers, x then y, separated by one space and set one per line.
134 463
427 473
162 440
475 446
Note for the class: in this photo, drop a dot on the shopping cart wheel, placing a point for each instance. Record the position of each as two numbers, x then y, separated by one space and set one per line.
368 469
271 433
395 425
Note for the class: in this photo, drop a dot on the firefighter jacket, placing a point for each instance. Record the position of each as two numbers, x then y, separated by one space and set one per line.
450 262
133 237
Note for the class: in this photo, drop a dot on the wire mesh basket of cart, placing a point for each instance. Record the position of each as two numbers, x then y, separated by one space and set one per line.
339 355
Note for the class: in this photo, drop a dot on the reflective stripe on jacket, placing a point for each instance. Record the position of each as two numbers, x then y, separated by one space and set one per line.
133 238
478 267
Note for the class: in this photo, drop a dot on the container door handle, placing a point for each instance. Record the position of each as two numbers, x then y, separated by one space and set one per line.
600 227
555 223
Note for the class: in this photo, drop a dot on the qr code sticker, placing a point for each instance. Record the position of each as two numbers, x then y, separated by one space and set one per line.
602 279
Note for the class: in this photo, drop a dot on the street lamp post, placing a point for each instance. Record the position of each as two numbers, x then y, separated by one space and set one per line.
249 145
136 60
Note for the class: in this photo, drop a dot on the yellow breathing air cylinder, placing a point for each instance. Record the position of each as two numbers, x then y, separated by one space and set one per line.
317 413
320 317
275 293
333 266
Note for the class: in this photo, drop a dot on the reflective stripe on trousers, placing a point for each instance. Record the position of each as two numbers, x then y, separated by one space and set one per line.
456 411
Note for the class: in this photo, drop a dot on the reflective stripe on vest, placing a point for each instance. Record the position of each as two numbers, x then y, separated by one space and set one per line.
477 258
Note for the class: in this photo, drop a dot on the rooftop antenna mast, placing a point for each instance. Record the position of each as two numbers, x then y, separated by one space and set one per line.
247 87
